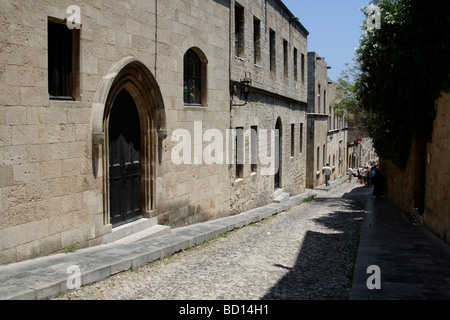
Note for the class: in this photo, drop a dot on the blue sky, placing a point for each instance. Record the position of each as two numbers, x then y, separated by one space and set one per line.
334 29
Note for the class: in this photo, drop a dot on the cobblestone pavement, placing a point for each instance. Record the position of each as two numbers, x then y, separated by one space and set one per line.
307 252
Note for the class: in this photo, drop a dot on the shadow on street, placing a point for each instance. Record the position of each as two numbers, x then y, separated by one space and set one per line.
324 266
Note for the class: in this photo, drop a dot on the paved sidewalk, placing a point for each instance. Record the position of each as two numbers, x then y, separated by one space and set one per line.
414 263
47 277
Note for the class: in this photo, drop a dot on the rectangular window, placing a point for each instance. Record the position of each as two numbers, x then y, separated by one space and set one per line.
324 155
325 101
239 31
318 158
295 64
285 58
303 68
318 99
292 140
272 44
329 118
63 46
240 145
301 137
256 40
254 149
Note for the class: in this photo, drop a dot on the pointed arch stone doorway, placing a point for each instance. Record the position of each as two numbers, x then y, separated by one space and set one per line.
128 127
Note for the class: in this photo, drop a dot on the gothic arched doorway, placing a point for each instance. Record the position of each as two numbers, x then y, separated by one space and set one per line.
128 127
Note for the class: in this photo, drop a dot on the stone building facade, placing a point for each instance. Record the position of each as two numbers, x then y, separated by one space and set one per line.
269 91
327 132
116 111
360 147
86 117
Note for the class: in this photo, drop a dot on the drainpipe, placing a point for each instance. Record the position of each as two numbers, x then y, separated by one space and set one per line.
229 55
156 36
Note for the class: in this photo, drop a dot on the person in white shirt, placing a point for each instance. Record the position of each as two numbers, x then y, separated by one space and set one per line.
350 174
365 174
327 174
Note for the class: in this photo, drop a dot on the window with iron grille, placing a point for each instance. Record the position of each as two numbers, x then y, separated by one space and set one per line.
192 78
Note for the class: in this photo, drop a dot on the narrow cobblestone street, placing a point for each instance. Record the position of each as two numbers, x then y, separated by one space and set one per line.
307 252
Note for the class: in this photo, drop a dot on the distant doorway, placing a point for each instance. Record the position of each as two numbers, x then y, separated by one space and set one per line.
124 160
278 154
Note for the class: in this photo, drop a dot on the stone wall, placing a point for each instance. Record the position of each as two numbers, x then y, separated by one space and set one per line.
272 16
272 95
318 102
437 208
317 149
327 133
401 184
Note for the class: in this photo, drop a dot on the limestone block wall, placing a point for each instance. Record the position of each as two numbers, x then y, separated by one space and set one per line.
52 188
197 191
277 93
437 209
317 149
401 184
50 199
337 153
273 15
256 189
318 102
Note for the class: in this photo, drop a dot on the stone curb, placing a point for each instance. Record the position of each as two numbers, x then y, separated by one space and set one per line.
47 277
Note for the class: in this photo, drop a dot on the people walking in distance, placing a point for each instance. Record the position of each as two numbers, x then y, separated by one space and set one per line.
350 174
327 174
365 174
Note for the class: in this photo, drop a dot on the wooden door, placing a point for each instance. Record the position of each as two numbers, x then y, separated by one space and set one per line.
278 154
124 160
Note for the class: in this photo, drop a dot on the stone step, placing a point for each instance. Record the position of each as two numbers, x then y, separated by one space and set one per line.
153 232
283 197
277 193
129 229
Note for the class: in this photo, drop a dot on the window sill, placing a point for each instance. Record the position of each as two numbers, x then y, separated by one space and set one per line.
62 102
238 182
56 98
194 106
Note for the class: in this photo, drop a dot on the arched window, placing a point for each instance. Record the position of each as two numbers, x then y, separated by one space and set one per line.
192 78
